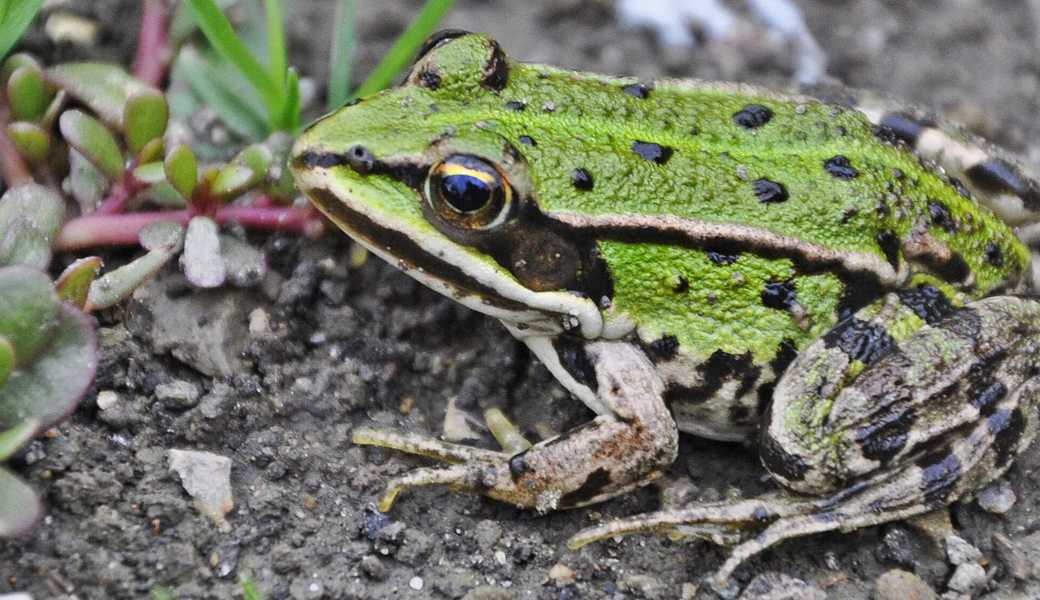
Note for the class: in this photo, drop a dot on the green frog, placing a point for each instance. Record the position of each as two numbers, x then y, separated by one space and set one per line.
837 281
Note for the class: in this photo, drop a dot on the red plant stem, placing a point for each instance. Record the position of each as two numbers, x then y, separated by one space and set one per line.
125 229
13 167
153 50
118 197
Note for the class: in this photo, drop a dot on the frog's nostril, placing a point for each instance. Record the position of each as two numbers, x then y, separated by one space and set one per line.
360 159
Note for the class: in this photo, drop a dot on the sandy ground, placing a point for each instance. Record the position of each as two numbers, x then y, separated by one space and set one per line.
344 347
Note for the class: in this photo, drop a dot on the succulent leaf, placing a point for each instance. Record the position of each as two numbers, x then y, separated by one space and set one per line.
33 142
54 347
93 140
74 283
104 88
144 118
27 93
30 216
182 170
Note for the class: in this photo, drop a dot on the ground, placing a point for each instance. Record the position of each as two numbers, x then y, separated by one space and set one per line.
275 377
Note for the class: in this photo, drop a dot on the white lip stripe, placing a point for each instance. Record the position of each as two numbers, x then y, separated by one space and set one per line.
701 231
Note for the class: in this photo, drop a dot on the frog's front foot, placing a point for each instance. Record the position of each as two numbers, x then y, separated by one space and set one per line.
609 455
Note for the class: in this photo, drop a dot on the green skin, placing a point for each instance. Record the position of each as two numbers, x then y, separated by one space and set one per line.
674 291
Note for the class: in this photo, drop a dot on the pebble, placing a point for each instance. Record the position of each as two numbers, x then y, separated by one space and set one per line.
416 583
777 586
259 322
207 478
898 584
997 498
374 568
561 575
106 399
1013 557
178 394
968 578
960 552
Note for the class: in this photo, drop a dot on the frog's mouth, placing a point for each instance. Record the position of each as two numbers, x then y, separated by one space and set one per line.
408 242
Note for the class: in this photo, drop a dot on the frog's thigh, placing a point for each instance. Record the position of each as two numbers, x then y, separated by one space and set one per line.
621 449
959 394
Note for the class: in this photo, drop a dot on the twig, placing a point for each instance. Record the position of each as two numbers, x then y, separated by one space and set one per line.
153 51
125 229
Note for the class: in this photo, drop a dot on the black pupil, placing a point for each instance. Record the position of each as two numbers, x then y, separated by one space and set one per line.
465 193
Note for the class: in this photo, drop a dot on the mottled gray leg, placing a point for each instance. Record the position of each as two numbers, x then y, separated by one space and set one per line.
866 428
607 456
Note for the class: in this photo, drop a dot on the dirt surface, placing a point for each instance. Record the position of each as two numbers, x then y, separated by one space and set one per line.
274 378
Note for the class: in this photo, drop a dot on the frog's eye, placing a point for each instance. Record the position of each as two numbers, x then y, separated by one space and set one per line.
469 192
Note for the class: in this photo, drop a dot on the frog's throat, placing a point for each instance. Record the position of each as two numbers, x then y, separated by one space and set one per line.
445 267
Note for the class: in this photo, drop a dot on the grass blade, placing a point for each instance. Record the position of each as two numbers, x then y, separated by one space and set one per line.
401 53
222 37
217 88
17 14
342 59
277 60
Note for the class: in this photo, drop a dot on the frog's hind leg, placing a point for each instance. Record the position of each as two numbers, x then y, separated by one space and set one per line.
873 424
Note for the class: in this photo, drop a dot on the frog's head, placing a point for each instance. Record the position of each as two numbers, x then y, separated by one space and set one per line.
423 176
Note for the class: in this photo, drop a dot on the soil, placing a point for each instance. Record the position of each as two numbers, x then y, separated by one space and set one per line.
284 371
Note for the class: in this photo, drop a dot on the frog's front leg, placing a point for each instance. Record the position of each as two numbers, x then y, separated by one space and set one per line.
616 451
905 408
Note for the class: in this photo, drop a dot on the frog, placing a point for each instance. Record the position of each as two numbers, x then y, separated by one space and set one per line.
844 285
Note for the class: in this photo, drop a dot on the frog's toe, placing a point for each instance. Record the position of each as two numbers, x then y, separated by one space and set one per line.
421 445
462 476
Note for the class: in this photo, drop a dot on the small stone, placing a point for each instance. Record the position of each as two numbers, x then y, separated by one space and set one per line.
374 568
960 552
997 498
106 399
561 575
178 394
259 322
901 585
489 592
487 533
416 583
777 586
646 586
968 578
207 478
1014 558
688 591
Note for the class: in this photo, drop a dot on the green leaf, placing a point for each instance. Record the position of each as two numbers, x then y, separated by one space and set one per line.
55 349
150 173
21 59
31 140
15 21
30 216
277 58
27 93
6 366
104 88
93 140
14 438
291 109
144 119
182 170
74 282
222 37
246 266
19 506
233 180
117 285
341 61
400 55
151 152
